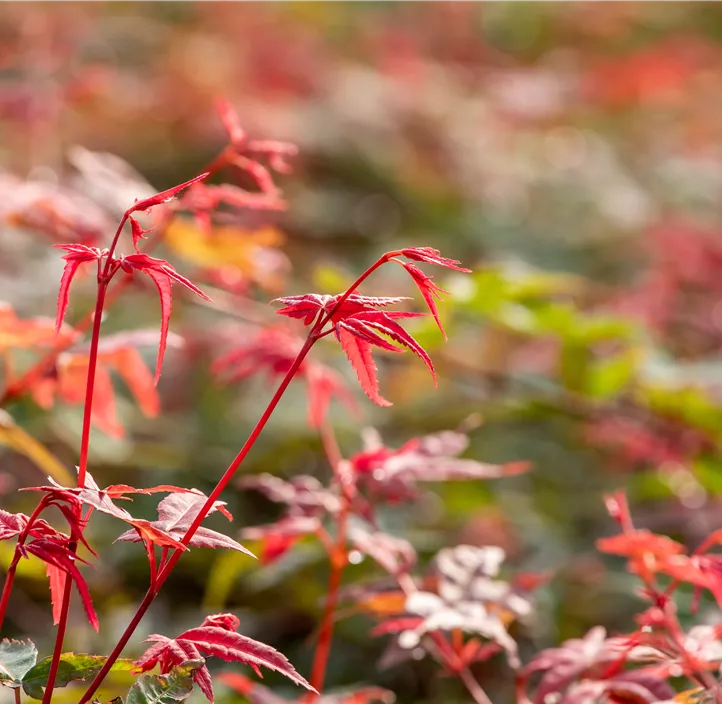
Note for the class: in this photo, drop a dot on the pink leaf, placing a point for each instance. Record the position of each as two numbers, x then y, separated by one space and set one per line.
359 354
383 323
56 580
230 122
433 256
161 272
163 196
176 513
234 647
215 637
11 524
59 556
429 290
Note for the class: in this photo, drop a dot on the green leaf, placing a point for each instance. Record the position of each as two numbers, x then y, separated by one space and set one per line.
72 667
16 658
176 686
608 377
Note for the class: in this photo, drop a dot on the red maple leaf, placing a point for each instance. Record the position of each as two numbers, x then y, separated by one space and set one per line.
394 473
359 326
162 274
216 636
77 254
176 513
57 553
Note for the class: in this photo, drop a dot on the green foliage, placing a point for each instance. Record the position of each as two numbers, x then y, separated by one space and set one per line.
176 686
72 667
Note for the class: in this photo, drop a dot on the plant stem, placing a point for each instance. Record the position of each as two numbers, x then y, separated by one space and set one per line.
41 367
82 468
60 637
90 383
379 262
17 695
168 564
473 687
339 561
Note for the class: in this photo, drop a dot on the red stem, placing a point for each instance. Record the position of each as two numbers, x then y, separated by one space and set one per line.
339 561
379 262
83 464
168 566
175 555
90 383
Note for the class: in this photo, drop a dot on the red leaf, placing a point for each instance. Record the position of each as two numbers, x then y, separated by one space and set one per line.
230 122
137 232
176 513
163 196
308 305
397 625
383 323
56 579
358 352
161 272
234 647
433 256
52 553
77 254
216 637
429 290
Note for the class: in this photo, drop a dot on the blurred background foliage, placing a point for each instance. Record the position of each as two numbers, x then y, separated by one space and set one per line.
568 152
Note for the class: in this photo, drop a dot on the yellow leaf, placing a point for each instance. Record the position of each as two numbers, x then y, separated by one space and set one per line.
230 247
17 439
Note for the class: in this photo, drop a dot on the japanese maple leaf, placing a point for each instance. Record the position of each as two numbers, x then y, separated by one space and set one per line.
216 636
393 473
77 254
69 499
428 289
162 274
13 524
176 513
563 665
58 555
359 326
116 353
274 350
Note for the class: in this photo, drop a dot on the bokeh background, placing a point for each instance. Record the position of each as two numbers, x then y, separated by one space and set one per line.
568 152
